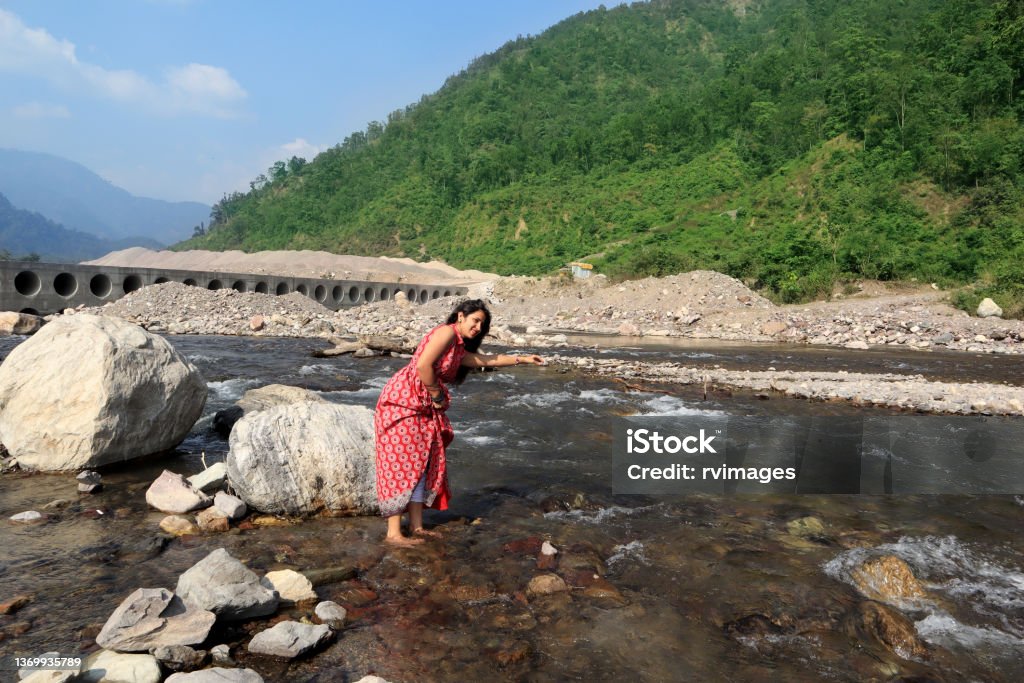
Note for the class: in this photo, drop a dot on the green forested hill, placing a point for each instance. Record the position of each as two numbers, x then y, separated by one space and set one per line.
788 142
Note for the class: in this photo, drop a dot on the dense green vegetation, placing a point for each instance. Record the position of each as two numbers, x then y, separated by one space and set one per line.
791 143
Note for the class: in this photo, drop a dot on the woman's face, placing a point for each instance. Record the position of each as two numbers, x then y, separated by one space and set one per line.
469 325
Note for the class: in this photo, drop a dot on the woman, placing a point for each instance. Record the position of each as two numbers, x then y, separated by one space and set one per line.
410 425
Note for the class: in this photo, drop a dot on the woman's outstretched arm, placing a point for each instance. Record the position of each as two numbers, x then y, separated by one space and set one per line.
500 360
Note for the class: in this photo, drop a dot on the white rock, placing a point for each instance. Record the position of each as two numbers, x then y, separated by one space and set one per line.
856 344
217 675
88 390
210 479
547 549
12 322
332 614
290 585
28 516
151 618
989 309
289 639
173 494
304 458
233 507
223 585
372 679
105 665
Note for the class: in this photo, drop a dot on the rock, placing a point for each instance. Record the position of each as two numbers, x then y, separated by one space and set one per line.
256 323
224 420
305 458
173 494
14 604
989 309
887 579
290 585
372 679
888 627
223 585
88 391
90 488
289 639
545 584
944 338
806 527
151 618
260 398
547 558
232 506
89 477
106 666
12 322
47 675
212 519
221 655
176 525
28 516
856 344
332 614
217 675
210 479
179 657
774 327
628 329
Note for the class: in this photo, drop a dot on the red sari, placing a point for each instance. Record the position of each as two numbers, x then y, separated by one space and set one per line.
411 436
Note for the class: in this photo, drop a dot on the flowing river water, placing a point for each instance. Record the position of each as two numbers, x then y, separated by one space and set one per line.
692 588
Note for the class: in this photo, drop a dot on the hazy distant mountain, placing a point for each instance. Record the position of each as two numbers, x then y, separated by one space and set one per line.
70 194
24 232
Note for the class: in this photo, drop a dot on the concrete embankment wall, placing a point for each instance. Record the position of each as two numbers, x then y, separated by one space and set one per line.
44 288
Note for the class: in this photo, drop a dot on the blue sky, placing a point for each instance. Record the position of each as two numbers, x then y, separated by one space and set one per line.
190 99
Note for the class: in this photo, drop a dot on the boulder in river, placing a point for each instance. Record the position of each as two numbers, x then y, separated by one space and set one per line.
289 639
305 458
888 579
88 390
151 618
260 398
172 493
223 585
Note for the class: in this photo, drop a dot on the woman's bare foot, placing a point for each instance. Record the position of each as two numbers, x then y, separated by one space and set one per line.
426 532
402 541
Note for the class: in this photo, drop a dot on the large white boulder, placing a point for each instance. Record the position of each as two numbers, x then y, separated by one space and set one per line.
305 458
989 309
88 390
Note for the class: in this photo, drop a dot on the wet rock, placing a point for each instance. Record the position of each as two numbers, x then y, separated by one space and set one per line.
887 579
888 627
151 618
290 585
12 322
305 458
28 517
233 507
179 657
172 493
213 520
328 575
221 655
332 614
513 652
113 666
57 504
989 309
14 604
217 675
210 479
547 559
603 590
526 546
289 639
546 584
68 402
223 585
224 420
89 482
176 525
806 527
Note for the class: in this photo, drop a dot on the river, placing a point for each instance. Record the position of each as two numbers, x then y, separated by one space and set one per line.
694 587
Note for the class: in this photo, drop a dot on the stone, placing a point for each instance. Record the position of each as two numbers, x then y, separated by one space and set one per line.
546 584
628 329
547 559
210 479
14 604
806 527
221 655
256 323
774 327
173 494
888 579
89 477
290 585
212 519
372 679
12 322
944 339
151 618
289 639
179 657
104 665
260 398
305 458
233 507
223 585
331 613
47 675
90 488
989 309
217 675
177 525
890 628
88 390
28 516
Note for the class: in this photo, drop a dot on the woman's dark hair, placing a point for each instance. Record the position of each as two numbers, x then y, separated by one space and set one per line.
468 307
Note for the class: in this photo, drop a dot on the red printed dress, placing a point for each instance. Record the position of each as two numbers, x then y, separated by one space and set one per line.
411 435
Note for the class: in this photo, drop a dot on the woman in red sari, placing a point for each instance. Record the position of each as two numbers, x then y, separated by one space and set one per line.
410 424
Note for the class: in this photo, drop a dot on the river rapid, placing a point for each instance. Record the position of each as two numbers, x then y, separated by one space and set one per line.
689 588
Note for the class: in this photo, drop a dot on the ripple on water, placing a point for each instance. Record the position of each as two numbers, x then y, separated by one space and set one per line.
231 389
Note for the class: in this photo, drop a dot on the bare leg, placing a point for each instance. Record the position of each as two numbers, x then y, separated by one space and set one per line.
416 521
395 536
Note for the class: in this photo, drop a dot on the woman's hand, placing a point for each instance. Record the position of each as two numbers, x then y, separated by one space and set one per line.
532 359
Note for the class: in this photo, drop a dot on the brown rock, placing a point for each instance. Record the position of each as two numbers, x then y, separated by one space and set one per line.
545 584
602 589
269 520
14 604
774 327
177 525
256 323
887 579
212 519
516 651
888 627
528 546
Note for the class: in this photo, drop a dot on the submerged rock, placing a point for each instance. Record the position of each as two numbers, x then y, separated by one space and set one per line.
305 458
89 390
888 579
888 627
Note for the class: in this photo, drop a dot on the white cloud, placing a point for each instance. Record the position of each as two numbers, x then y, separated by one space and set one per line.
298 147
194 88
35 110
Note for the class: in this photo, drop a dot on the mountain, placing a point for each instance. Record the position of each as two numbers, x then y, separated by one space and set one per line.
70 194
792 143
23 233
